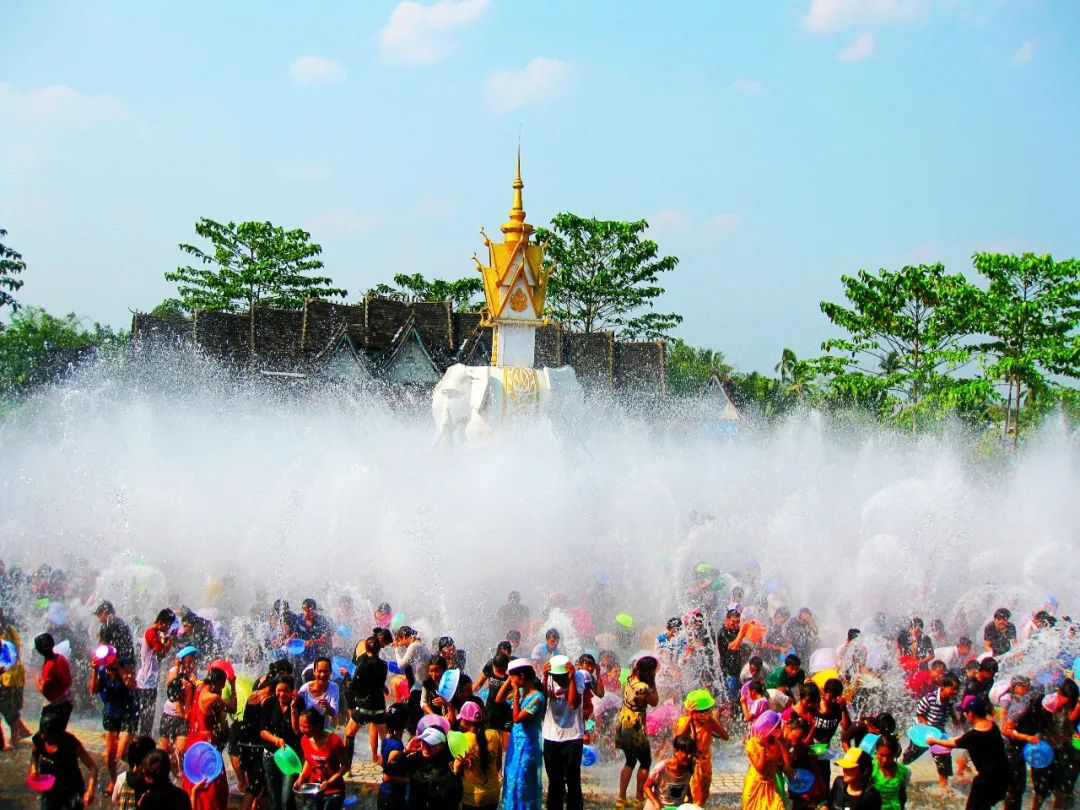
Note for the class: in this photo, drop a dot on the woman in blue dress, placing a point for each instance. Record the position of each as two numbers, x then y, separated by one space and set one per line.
525 753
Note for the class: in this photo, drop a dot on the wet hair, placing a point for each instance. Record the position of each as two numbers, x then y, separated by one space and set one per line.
280 667
853 633
513 597
52 724
1070 691
977 706
503 648
384 636
397 716
792 660
783 612
972 664
309 603
500 661
938 664
989 665
1002 613
552 633
917 622
165 616
756 687
755 661
883 722
44 643
586 658
833 688
372 645
889 742
948 679
155 767
684 743
937 625
963 641
137 750
444 642
406 632
288 680
322 660
437 661
810 691
513 636
281 606
674 623
732 614
216 677
315 719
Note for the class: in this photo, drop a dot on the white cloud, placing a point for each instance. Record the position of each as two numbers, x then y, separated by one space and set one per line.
540 80
303 170
671 224
748 87
316 70
57 104
341 222
860 49
420 34
835 15
1024 54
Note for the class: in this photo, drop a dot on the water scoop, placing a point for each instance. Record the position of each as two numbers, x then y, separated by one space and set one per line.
287 761
202 761
458 743
801 781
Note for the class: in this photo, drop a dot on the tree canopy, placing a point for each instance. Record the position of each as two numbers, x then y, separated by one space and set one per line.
251 264
604 276
466 294
11 264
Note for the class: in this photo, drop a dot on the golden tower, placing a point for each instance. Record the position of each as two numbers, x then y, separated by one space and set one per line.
515 283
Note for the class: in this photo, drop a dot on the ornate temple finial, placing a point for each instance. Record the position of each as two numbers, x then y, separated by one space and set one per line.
517 228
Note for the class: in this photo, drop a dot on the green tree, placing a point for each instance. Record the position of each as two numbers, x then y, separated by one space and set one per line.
251 264
36 347
604 276
907 328
688 368
466 294
11 264
796 375
1029 314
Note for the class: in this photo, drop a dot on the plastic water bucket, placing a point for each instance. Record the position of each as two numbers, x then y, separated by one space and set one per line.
42 783
448 684
801 781
1038 755
287 760
202 761
919 733
869 743
458 743
295 646
589 756
339 663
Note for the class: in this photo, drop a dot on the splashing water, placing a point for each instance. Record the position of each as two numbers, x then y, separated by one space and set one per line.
169 476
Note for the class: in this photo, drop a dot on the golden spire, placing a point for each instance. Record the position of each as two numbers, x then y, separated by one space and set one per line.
517 228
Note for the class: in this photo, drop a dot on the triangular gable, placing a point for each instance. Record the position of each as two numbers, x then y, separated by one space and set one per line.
408 359
341 360
715 389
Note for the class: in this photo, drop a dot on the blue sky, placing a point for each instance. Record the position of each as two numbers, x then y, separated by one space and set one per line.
772 146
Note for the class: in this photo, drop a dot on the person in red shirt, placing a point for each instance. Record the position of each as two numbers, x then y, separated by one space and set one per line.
324 760
54 682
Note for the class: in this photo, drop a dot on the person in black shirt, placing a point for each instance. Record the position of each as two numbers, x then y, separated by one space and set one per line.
999 635
365 695
853 790
160 793
914 644
983 682
433 785
1022 724
57 753
277 732
115 632
731 661
986 746
494 675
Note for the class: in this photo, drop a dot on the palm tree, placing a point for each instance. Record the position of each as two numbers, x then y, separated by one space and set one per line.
786 367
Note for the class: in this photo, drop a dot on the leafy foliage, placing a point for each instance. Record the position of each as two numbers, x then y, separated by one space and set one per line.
11 264
604 276
1029 314
906 328
466 294
36 347
249 264
688 368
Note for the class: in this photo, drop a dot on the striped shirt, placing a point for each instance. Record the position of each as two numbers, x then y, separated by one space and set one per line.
934 709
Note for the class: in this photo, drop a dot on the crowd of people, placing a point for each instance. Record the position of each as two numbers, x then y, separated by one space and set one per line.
280 697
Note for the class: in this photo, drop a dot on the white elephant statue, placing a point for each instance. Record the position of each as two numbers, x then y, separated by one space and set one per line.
473 401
